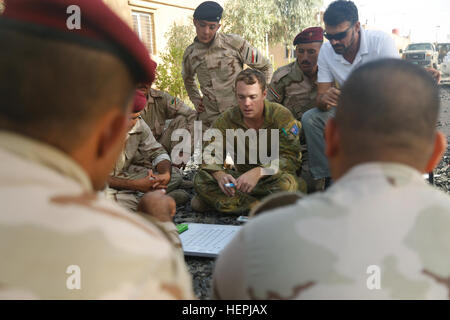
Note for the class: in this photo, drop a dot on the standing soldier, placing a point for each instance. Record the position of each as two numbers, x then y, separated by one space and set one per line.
295 87
216 58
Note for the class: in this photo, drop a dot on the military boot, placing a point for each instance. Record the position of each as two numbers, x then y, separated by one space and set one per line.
181 197
199 205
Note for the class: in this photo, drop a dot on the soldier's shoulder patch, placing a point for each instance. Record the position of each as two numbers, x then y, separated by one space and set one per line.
274 92
294 129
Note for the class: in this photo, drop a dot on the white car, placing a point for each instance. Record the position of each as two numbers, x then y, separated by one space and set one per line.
445 66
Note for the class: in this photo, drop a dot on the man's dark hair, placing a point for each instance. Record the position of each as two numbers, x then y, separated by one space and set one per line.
340 11
53 90
388 105
251 76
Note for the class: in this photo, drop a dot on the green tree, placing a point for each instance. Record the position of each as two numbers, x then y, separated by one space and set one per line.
281 20
292 17
251 19
169 78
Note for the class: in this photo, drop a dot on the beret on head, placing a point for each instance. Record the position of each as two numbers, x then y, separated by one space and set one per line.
313 34
208 11
140 101
100 28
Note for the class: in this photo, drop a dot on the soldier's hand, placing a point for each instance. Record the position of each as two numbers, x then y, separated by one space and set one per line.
163 178
223 179
149 183
248 181
331 97
158 205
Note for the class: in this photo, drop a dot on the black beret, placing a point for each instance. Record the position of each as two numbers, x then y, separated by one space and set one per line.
208 11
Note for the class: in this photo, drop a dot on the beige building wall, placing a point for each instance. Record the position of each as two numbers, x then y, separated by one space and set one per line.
164 14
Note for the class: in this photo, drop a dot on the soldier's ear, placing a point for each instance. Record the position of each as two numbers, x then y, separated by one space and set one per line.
265 93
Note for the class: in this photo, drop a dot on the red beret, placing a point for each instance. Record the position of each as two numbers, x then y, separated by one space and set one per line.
313 34
140 101
100 28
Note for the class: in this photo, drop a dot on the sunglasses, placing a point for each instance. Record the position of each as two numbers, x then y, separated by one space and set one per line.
337 36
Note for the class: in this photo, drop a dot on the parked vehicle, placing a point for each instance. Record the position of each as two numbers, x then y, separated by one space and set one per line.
423 54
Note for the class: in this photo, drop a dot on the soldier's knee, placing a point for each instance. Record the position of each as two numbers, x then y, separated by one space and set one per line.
289 182
201 179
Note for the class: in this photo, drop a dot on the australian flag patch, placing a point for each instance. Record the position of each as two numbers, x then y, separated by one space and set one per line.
294 130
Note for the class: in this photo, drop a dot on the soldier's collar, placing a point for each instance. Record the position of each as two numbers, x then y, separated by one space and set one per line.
267 113
137 127
214 42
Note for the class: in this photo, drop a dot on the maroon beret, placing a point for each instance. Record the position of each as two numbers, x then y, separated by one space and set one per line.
100 28
313 34
140 101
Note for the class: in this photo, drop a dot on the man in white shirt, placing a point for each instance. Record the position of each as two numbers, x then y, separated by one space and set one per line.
349 47
380 231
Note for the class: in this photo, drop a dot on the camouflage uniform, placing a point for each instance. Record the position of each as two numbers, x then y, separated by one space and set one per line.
378 215
217 64
297 92
293 89
161 106
52 219
275 117
141 153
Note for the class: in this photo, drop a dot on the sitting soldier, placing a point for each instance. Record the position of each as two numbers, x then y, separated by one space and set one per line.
295 87
133 174
237 191
161 107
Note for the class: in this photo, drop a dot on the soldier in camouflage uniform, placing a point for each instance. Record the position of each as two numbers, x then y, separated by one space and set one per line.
133 174
250 178
161 106
294 86
380 231
216 58
59 140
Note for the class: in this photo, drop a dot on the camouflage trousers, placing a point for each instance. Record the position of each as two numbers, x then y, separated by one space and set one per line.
209 191
129 198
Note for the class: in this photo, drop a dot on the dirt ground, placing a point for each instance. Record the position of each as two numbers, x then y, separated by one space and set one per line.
202 268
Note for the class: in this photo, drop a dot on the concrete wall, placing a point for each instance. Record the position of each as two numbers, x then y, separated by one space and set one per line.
165 13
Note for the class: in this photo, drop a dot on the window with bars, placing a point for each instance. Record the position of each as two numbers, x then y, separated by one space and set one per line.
143 24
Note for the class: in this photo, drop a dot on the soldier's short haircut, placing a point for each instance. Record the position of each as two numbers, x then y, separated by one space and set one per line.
55 91
339 12
251 76
389 105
